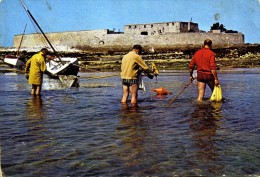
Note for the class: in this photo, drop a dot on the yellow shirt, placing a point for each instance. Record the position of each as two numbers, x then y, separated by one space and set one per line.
130 65
37 66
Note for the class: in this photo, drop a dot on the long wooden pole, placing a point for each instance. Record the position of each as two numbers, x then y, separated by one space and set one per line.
27 10
179 93
21 40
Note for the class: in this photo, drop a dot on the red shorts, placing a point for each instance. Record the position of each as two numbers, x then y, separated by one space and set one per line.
205 78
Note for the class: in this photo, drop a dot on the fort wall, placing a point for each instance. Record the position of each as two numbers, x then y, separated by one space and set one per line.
161 28
103 40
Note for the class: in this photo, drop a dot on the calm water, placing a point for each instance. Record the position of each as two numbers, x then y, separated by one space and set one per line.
86 131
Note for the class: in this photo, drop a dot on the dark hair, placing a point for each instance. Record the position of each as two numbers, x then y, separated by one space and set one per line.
44 49
208 42
138 47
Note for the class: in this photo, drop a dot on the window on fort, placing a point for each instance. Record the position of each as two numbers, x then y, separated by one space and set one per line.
135 26
144 33
151 26
129 27
144 26
172 24
167 24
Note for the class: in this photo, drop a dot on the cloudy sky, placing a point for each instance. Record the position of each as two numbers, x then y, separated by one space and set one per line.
71 15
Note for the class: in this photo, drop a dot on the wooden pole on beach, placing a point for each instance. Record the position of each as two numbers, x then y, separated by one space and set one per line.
179 93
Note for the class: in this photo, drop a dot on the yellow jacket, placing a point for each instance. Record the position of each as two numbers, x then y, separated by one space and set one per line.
130 66
36 65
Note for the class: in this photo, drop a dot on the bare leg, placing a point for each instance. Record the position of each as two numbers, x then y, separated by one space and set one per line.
33 89
134 94
125 93
201 90
38 90
211 85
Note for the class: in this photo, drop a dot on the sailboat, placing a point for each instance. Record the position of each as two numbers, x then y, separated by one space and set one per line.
16 60
60 65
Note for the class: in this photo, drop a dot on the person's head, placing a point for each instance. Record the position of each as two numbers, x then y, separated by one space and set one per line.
44 51
137 48
208 43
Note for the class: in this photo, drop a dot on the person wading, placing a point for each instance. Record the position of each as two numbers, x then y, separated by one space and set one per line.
36 66
130 70
204 59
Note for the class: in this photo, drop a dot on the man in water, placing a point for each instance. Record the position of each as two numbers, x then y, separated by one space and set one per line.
204 59
36 66
131 63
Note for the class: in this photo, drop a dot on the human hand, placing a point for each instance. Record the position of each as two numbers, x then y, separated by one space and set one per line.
50 57
26 76
216 82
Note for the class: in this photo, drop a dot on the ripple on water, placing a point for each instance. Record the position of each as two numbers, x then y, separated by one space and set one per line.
87 131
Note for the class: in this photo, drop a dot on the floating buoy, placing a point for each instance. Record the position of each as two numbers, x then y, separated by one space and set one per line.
161 91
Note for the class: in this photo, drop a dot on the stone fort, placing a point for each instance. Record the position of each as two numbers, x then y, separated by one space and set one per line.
166 35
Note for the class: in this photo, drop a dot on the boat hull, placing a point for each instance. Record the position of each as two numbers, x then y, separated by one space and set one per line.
62 66
13 61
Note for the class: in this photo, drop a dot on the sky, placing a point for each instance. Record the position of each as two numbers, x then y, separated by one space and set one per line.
72 15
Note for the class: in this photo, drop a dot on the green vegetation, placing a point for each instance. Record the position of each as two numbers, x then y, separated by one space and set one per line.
221 27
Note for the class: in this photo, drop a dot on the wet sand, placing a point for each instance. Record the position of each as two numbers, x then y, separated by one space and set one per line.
243 57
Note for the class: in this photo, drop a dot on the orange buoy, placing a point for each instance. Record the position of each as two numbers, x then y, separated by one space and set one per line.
161 91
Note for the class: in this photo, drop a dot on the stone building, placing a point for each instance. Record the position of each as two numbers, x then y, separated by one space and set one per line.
168 35
161 28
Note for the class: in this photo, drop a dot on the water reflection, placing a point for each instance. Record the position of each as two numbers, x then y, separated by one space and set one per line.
132 132
129 108
34 109
204 125
1 174
86 131
40 142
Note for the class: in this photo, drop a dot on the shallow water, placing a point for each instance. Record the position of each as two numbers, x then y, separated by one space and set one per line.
86 131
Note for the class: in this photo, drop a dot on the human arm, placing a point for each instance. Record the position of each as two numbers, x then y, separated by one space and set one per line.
27 68
191 75
27 65
213 69
214 72
50 57
192 65
149 73
43 65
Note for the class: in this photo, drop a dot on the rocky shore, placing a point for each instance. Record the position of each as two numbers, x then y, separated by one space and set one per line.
247 56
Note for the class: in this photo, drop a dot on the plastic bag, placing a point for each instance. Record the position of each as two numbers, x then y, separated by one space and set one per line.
216 94
141 85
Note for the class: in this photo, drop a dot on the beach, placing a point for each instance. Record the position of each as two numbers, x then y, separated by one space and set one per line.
240 57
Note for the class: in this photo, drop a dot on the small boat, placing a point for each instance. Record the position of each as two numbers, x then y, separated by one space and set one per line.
14 61
59 65
62 66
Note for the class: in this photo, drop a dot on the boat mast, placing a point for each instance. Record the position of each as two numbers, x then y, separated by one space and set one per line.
27 10
21 40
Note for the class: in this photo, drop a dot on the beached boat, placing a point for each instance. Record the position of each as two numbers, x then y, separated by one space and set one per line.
59 65
62 66
14 61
